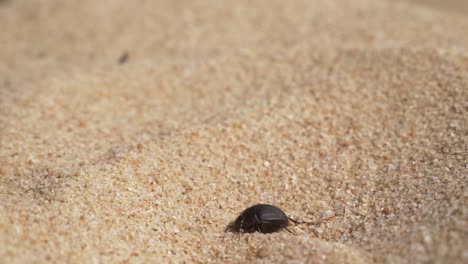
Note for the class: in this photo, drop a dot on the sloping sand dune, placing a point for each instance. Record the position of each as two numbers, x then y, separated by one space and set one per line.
352 115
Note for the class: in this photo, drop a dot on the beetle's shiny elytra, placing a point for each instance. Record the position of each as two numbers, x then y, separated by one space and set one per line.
263 218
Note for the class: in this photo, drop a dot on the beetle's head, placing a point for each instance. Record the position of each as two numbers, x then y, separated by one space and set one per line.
241 225
232 228
236 226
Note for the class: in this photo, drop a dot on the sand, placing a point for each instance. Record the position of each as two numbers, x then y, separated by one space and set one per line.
135 132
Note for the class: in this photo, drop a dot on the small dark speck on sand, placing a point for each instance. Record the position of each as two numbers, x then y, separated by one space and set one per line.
122 59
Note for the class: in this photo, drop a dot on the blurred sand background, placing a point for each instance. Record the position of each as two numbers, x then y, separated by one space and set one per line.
136 131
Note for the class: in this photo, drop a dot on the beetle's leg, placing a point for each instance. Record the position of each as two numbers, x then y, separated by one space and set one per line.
297 222
259 227
258 224
289 230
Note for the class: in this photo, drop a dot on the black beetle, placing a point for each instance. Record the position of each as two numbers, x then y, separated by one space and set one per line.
263 218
